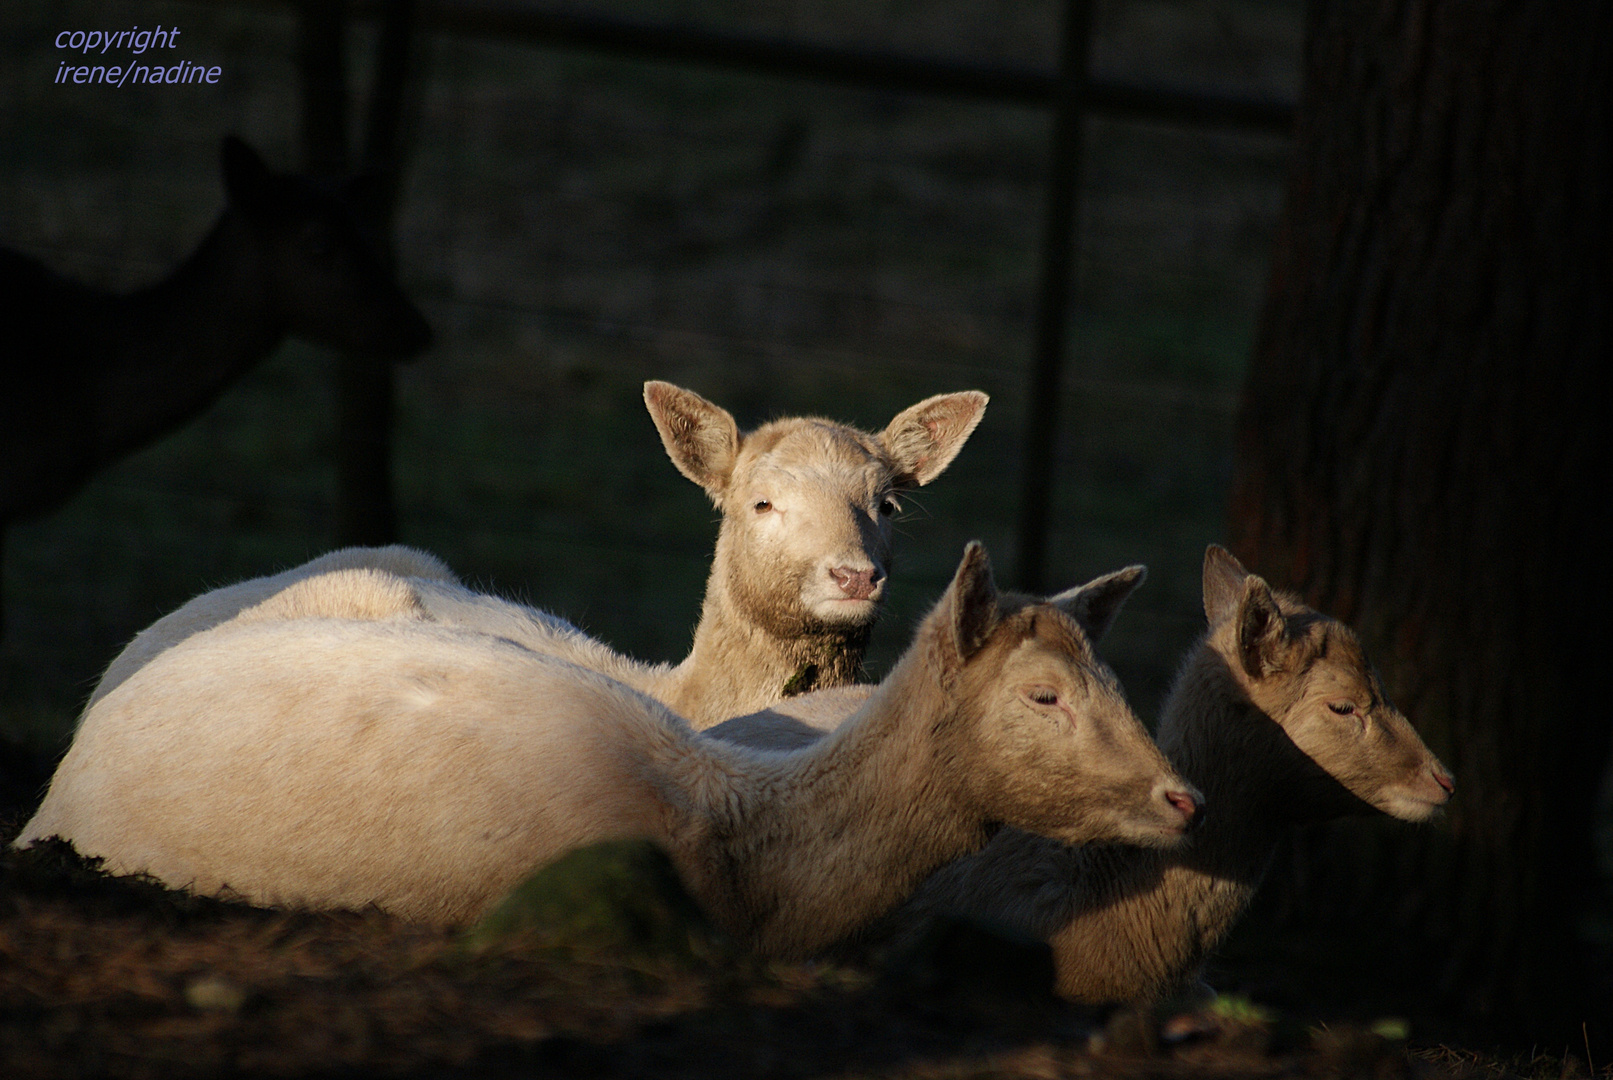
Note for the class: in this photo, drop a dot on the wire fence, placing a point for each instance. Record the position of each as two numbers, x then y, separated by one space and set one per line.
578 214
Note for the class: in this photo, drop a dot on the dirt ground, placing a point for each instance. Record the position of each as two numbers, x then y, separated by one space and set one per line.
106 977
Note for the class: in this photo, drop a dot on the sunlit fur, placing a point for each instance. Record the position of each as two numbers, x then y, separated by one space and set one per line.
426 769
800 498
773 614
1248 721
222 604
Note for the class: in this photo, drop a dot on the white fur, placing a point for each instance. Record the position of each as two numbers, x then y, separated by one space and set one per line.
222 604
774 614
426 768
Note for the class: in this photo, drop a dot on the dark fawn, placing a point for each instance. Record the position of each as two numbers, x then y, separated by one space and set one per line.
101 374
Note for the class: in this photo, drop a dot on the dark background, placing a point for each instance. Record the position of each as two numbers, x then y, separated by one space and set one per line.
574 224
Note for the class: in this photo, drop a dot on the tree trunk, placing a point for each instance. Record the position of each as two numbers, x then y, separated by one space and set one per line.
1422 451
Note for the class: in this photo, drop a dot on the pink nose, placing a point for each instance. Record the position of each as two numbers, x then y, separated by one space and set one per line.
1444 779
856 584
1185 804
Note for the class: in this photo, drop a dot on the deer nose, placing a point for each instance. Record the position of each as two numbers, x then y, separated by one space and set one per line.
1185 805
856 584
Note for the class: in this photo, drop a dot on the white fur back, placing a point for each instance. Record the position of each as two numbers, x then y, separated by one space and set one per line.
336 745
352 750
212 608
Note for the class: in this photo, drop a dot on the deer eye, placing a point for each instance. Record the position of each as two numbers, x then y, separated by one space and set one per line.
1043 695
1343 708
762 506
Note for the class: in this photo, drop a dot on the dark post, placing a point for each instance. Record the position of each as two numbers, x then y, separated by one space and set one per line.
363 507
1053 293
365 510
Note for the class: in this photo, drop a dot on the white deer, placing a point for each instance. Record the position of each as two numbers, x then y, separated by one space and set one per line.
391 760
799 574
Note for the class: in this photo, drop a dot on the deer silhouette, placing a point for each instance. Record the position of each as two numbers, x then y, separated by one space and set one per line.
98 375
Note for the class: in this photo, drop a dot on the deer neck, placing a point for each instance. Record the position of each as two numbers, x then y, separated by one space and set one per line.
169 349
1168 910
738 665
804 857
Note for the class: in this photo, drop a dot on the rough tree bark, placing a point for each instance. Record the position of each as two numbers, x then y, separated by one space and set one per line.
1423 451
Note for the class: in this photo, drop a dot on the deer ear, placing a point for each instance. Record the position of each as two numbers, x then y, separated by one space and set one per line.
973 599
1262 633
701 439
1223 583
925 438
251 186
1095 604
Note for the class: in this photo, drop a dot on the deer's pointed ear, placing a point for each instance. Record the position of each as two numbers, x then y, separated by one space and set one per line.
249 184
1223 583
925 438
1095 604
972 598
1262 631
701 439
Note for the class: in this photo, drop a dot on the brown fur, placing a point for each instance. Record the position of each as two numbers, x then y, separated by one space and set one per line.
1248 721
793 591
773 621
426 768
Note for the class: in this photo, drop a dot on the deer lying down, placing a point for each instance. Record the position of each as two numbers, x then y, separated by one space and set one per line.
796 582
1276 715
223 604
427 769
